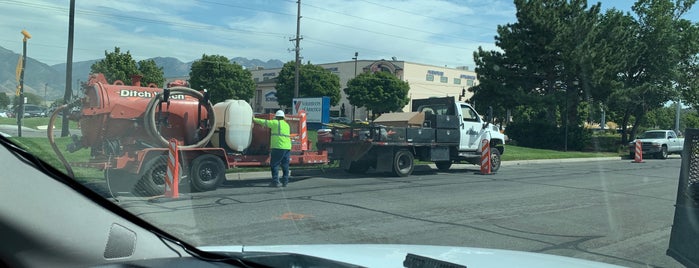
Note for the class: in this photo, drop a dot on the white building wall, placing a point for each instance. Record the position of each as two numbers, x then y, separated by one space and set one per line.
444 82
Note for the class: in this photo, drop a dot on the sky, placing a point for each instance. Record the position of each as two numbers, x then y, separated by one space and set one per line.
435 32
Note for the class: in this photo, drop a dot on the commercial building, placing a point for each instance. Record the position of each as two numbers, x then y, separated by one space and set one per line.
425 81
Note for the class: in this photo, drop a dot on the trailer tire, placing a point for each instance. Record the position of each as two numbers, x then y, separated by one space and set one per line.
207 173
494 159
403 163
358 167
443 165
153 174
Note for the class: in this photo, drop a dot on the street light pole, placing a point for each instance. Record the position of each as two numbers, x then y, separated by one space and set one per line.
20 112
356 56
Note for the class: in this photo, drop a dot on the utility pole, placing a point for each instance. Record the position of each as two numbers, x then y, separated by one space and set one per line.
69 70
356 56
297 48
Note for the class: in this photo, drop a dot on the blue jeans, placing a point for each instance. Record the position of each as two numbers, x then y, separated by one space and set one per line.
280 157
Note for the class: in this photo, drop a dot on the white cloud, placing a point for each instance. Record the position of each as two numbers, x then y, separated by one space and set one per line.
444 32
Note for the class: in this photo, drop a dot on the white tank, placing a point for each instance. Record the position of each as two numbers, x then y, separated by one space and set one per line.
236 117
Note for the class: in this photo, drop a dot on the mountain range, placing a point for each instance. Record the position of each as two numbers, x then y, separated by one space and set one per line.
49 80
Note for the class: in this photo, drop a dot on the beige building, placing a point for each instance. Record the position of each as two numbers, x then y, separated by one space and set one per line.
425 81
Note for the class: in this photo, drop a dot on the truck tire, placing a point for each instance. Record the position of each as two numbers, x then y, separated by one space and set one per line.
403 163
494 159
358 167
153 174
443 165
207 173
662 154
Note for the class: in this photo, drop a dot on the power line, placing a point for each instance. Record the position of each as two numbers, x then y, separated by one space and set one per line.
390 24
422 15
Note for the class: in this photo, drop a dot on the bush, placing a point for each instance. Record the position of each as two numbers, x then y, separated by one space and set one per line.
545 135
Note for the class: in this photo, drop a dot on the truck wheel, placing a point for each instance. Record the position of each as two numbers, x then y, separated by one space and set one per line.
494 159
207 172
403 163
662 154
443 165
153 177
358 167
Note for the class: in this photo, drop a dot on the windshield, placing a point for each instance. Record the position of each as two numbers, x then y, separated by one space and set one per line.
187 114
653 135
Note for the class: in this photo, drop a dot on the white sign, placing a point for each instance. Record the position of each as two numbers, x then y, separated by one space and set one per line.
314 108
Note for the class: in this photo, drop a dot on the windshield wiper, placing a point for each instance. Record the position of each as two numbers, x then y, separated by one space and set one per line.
417 261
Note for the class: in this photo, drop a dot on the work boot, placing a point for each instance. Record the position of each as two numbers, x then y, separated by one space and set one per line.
274 184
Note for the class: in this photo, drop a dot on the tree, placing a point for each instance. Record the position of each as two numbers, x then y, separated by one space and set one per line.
548 64
116 66
4 100
121 66
379 92
151 72
314 81
660 61
31 99
223 80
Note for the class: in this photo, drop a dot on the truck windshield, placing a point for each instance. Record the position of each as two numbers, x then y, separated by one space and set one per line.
653 135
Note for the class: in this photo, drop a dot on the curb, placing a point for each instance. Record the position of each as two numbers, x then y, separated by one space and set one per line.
561 160
266 175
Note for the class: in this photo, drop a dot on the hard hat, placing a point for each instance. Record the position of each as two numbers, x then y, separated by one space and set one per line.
279 113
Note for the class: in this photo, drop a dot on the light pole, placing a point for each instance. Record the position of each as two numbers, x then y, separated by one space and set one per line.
356 54
20 112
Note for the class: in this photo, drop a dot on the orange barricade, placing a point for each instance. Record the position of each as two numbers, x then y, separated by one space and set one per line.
485 157
172 180
638 152
303 131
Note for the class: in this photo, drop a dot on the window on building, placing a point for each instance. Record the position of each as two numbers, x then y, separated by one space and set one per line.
469 82
444 79
256 79
457 81
429 77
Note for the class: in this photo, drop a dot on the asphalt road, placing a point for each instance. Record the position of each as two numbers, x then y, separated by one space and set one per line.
612 211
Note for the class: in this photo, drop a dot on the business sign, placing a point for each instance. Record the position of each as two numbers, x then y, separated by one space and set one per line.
317 109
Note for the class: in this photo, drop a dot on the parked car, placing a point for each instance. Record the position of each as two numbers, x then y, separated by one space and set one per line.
341 120
31 110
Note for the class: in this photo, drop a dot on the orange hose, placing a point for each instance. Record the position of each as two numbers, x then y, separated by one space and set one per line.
49 132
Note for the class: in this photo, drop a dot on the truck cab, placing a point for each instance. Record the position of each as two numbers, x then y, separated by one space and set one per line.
473 129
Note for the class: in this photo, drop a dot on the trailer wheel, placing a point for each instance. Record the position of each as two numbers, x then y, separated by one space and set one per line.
403 163
153 177
494 159
358 167
443 165
207 173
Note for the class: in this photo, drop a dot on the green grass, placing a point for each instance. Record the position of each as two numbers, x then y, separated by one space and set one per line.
35 122
41 148
513 153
